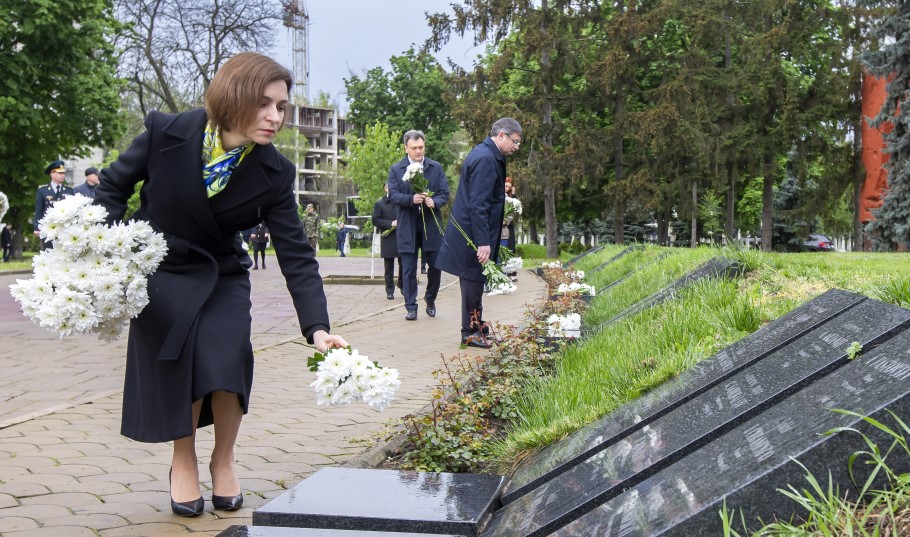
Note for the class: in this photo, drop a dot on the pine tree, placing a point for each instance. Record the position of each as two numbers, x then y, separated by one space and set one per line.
891 226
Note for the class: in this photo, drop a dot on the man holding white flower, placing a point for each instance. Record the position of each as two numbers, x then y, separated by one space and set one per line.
472 236
418 186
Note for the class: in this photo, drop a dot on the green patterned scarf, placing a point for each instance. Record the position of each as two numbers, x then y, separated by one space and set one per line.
217 164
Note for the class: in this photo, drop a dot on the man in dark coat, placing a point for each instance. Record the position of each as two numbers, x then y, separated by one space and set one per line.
479 209
340 237
385 219
6 241
87 188
260 238
50 194
418 214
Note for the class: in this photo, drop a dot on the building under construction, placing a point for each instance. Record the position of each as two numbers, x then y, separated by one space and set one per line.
319 143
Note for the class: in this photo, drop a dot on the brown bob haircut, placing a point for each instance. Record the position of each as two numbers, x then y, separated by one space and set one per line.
233 97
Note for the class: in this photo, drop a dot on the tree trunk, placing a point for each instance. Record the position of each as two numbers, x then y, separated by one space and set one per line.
731 202
532 231
546 123
663 228
693 241
767 205
619 221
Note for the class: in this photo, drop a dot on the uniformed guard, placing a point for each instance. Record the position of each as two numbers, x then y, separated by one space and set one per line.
50 193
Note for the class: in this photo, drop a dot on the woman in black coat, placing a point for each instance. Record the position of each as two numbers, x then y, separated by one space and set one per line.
209 174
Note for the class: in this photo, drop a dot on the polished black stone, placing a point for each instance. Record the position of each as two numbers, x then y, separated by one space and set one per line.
559 457
617 257
630 459
272 531
716 267
748 466
384 500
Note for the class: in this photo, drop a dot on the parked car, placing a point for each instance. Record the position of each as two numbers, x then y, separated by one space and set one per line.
818 243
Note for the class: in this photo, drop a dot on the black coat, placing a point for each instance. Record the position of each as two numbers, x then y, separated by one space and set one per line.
45 199
194 335
262 234
479 208
409 217
384 213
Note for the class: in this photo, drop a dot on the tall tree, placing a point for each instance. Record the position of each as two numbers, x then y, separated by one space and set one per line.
172 48
368 162
891 60
59 93
410 96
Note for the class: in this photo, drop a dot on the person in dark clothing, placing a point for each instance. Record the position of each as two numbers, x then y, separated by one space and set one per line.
50 194
6 241
478 209
340 237
260 238
87 188
208 174
385 219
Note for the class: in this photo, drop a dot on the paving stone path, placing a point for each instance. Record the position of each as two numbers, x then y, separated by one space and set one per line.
66 471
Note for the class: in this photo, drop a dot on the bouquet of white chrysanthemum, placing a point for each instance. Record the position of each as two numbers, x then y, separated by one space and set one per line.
344 376
576 275
551 264
4 205
513 207
564 325
512 265
94 278
575 287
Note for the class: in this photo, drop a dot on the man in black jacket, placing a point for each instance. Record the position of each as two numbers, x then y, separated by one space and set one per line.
385 219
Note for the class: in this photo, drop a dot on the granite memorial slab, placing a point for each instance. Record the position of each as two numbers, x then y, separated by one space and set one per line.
385 500
617 257
629 460
274 531
716 267
746 467
587 441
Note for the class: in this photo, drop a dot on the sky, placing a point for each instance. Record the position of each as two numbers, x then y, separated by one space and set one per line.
356 35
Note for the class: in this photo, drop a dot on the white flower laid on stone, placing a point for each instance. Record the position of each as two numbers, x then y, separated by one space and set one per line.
94 278
564 325
344 376
575 287
576 275
512 265
4 205
502 288
551 264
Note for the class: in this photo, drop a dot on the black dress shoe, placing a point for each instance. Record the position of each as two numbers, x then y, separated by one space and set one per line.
186 509
431 308
225 503
411 316
390 295
476 340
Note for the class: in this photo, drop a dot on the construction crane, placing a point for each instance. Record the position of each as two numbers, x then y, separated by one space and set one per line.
297 21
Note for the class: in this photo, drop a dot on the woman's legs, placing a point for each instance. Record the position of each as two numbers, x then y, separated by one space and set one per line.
227 413
184 471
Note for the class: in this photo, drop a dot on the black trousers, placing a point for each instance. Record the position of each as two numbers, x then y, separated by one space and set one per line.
471 306
259 249
389 263
7 252
409 279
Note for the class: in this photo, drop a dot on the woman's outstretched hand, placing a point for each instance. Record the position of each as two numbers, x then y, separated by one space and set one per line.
324 341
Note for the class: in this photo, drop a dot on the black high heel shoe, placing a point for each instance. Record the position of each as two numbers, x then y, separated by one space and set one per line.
186 509
225 503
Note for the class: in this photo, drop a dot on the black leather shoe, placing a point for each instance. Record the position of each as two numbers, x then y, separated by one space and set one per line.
390 295
186 509
411 316
431 308
476 340
225 503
